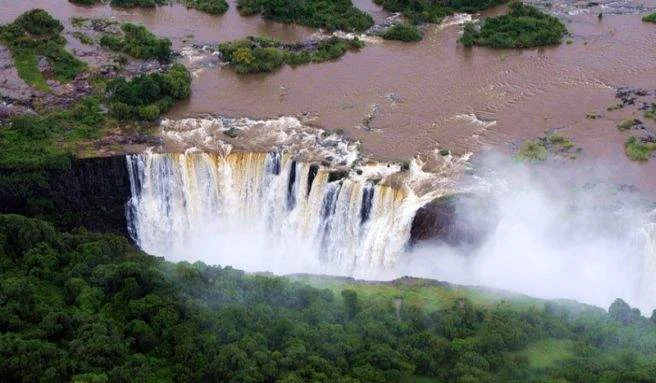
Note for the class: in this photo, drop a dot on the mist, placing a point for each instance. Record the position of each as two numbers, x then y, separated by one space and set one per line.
553 231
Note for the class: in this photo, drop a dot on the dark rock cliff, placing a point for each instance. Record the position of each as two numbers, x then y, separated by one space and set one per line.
456 220
93 194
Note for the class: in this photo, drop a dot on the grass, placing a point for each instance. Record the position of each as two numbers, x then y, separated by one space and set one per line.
628 124
419 293
638 149
28 69
539 149
546 353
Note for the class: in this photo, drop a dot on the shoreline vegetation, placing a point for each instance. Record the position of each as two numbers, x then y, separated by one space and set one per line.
523 27
651 18
260 54
87 307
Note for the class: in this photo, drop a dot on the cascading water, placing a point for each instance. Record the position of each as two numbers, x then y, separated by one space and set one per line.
266 211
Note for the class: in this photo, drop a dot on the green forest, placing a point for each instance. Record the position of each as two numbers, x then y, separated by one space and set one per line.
87 307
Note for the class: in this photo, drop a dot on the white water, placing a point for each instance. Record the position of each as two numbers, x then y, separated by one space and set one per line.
266 212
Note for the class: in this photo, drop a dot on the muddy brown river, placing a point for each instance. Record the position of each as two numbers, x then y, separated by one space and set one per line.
428 95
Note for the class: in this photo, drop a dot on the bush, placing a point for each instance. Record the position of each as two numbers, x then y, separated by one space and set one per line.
329 14
523 27
137 3
651 18
402 32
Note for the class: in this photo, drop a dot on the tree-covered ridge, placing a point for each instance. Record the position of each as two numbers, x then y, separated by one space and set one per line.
138 42
88 307
260 54
328 14
36 34
428 11
523 27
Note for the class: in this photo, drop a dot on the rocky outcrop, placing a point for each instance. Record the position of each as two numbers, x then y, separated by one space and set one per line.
93 194
456 220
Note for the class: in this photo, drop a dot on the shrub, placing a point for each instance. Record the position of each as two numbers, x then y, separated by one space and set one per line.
651 18
402 32
136 3
523 27
628 124
639 149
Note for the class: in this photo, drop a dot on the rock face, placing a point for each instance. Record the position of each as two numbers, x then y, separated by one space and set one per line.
455 220
93 194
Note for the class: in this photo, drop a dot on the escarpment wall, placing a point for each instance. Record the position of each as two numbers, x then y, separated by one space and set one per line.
93 194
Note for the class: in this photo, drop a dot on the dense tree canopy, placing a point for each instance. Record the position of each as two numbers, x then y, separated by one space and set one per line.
145 97
88 307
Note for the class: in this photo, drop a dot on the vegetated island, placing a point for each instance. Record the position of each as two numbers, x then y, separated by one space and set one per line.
551 144
214 7
138 42
426 11
260 54
87 307
328 14
36 34
523 27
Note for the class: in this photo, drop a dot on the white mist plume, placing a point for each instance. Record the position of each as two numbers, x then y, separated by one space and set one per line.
557 234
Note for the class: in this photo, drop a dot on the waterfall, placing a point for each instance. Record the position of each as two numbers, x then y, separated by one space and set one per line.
266 211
